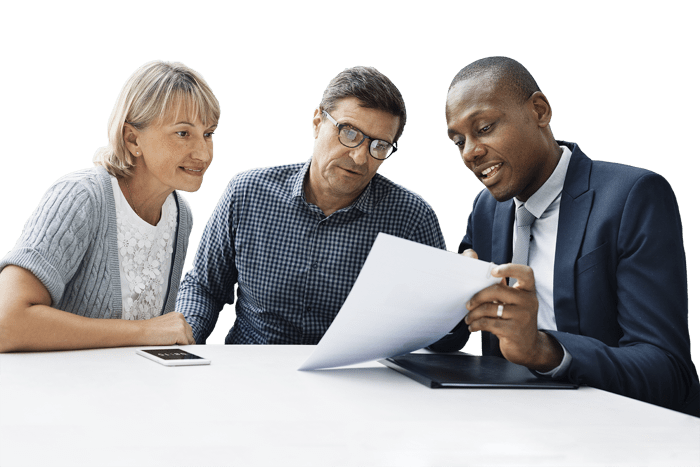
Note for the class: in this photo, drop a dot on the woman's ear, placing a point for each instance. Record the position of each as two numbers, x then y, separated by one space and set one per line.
131 139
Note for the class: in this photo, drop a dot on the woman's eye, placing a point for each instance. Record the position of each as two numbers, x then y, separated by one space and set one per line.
485 129
459 143
209 135
181 133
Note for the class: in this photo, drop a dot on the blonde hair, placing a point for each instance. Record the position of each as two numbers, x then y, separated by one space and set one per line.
148 94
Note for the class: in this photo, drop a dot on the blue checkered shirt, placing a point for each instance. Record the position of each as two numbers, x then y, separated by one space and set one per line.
293 265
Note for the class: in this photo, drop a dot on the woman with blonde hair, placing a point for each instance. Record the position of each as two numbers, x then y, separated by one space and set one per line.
110 241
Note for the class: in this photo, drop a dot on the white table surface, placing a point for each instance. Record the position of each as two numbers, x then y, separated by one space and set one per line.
252 407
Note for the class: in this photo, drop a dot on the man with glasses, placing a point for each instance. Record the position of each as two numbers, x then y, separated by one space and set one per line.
295 237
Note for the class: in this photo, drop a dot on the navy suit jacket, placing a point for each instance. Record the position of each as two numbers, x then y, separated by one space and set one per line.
620 286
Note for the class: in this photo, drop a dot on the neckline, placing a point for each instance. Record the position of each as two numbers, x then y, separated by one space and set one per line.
123 204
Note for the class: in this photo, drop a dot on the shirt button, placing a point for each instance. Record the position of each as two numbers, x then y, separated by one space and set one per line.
308 308
314 265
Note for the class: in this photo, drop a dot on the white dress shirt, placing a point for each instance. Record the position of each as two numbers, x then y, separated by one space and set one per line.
544 205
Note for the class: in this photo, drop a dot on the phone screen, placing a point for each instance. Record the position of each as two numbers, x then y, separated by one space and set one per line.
173 354
173 357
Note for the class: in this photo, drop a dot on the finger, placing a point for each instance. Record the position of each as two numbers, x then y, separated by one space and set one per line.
490 310
493 325
497 293
186 329
521 272
470 254
190 335
185 338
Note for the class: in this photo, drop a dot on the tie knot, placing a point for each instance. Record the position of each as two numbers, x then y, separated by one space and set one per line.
523 217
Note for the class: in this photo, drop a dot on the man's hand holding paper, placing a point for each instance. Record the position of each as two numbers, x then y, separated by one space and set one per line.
510 313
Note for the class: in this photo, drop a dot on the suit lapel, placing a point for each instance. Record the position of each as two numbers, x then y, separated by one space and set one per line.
502 245
576 202
501 253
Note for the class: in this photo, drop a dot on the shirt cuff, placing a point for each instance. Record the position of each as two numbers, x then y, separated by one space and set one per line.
563 366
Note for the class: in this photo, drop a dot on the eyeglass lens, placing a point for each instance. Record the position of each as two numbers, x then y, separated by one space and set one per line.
351 137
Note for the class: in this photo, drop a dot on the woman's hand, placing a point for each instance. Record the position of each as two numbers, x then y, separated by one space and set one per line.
29 323
168 329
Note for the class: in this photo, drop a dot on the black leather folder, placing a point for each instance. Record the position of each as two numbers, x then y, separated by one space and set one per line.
468 371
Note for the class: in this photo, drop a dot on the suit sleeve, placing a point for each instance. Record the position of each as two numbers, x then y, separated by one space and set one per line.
651 361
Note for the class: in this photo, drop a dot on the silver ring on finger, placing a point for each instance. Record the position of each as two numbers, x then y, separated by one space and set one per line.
499 311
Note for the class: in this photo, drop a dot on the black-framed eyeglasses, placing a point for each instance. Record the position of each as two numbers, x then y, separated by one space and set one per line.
352 137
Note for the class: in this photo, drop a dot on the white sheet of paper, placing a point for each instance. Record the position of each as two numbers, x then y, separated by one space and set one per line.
406 297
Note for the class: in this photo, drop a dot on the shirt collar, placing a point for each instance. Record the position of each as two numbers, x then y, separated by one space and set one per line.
542 198
364 202
298 187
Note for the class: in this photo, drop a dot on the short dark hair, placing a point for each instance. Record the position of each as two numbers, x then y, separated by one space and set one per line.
371 88
506 71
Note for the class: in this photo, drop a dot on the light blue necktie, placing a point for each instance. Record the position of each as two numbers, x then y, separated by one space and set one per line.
521 251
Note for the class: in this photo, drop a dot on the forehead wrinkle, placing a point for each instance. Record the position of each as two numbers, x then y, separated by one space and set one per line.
354 111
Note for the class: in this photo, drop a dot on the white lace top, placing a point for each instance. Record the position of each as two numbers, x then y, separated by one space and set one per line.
145 257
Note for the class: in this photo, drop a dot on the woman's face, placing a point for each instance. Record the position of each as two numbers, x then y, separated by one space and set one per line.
174 151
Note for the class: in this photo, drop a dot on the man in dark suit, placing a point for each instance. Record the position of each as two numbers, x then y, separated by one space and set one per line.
601 295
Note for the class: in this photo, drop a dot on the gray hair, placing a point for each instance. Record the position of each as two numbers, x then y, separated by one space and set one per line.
371 88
